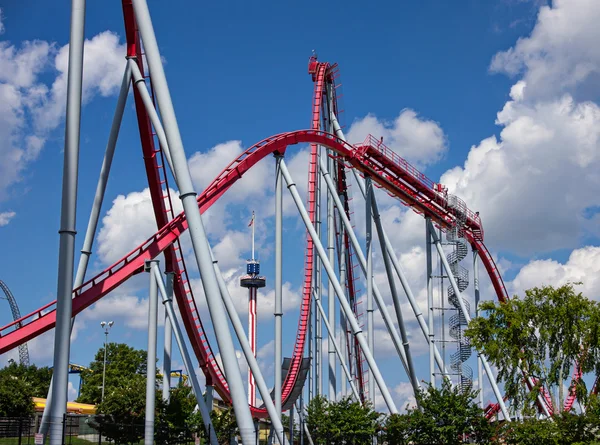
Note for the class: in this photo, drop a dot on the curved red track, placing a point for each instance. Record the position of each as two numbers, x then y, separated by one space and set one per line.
387 170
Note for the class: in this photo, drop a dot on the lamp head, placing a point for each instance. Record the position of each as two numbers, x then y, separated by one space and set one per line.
110 323
102 323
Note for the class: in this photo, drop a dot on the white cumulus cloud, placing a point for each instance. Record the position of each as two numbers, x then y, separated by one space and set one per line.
5 218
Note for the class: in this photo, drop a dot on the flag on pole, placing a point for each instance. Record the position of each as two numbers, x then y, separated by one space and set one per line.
252 220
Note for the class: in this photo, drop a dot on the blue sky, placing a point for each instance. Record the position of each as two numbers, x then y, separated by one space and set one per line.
496 98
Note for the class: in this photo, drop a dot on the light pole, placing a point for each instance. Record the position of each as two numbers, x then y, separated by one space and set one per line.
106 327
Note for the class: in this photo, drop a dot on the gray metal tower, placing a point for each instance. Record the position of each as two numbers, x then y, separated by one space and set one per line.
14 308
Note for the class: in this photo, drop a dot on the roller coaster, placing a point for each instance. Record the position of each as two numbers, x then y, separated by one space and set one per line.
334 164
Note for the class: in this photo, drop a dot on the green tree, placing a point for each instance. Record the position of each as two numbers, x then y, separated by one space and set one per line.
38 379
542 334
15 397
318 420
182 402
353 422
18 384
121 415
122 364
447 416
345 421
224 424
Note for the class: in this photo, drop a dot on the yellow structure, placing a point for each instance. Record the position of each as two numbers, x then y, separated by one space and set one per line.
72 407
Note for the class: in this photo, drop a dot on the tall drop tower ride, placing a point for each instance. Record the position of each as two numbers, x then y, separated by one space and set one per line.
252 281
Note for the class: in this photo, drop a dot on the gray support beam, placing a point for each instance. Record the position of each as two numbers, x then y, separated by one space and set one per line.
196 227
300 410
440 250
318 285
66 251
330 299
363 263
167 344
430 313
390 250
390 275
278 287
356 330
477 296
167 301
238 327
336 349
140 84
343 328
292 424
86 249
369 278
151 355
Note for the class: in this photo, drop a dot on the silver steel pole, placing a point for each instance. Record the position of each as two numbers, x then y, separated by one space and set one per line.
250 357
104 364
196 226
356 330
300 410
363 263
330 299
151 355
343 329
390 275
278 288
430 303
167 301
88 242
369 278
336 349
167 344
292 424
319 288
440 250
140 84
477 296
66 251
390 250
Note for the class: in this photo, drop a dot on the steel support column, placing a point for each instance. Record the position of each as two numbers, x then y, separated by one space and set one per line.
363 263
369 278
86 249
388 246
167 344
440 251
151 355
278 286
167 301
66 251
330 299
336 349
479 363
430 314
248 354
196 227
390 275
356 330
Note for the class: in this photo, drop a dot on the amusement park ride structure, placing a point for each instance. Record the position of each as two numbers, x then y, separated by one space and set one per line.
340 256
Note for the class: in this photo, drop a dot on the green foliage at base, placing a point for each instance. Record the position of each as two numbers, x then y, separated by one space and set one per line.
447 416
340 422
18 384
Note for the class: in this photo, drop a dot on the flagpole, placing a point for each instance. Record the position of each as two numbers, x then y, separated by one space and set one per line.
252 222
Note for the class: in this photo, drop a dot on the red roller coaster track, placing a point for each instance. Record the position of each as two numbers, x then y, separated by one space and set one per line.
386 168
396 176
